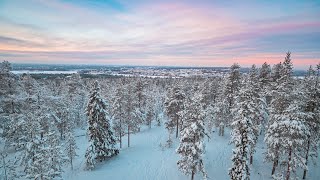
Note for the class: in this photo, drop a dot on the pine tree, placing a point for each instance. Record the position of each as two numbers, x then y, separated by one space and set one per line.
38 167
287 130
191 148
233 84
258 109
118 113
174 104
311 98
101 138
221 114
265 75
70 147
281 97
243 134
288 135
131 117
7 167
54 154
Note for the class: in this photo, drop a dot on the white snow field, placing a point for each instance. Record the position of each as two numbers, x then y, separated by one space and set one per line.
147 160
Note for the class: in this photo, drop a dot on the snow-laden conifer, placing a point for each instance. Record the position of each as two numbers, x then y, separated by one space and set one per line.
243 134
191 148
101 138
174 104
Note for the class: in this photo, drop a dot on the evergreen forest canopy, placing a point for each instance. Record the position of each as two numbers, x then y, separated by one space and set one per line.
39 117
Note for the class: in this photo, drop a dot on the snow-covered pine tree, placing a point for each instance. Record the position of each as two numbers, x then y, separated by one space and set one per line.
258 109
191 148
118 114
265 80
221 114
288 136
311 98
34 158
101 138
70 146
287 130
209 118
75 99
232 85
131 119
281 97
38 164
276 72
243 134
8 168
174 104
56 158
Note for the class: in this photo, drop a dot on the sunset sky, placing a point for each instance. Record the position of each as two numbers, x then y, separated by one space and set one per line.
166 32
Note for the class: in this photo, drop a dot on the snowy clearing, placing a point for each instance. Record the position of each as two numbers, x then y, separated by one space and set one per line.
146 159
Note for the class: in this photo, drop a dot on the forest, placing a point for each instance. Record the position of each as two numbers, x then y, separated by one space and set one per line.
39 119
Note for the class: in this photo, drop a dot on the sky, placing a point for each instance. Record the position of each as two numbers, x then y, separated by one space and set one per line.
160 32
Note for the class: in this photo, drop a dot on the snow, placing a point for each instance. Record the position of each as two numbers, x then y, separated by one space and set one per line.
146 159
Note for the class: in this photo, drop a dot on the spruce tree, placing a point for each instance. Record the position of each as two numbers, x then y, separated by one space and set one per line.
191 148
118 113
174 104
287 130
243 134
70 146
101 138
311 98
233 84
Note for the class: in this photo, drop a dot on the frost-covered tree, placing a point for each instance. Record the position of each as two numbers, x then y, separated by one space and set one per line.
56 157
75 100
70 147
38 165
288 135
8 168
131 116
221 115
276 72
311 99
191 148
101 139
34 157
287 130
281 99
174 104
118 114
232 85
265 79
243 133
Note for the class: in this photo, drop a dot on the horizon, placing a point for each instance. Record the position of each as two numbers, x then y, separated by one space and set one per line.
168 66
160 33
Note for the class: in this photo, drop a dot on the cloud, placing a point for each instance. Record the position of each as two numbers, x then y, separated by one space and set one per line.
154 33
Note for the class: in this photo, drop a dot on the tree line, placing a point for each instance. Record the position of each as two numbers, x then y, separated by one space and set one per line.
40 117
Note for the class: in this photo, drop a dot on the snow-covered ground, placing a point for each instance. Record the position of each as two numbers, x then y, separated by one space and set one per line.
147 159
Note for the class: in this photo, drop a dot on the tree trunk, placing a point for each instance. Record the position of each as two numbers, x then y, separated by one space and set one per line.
192 175
71 163
275 164
4 167
128 136
12 107
177 129
251 159
120 135
307 156
289 160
